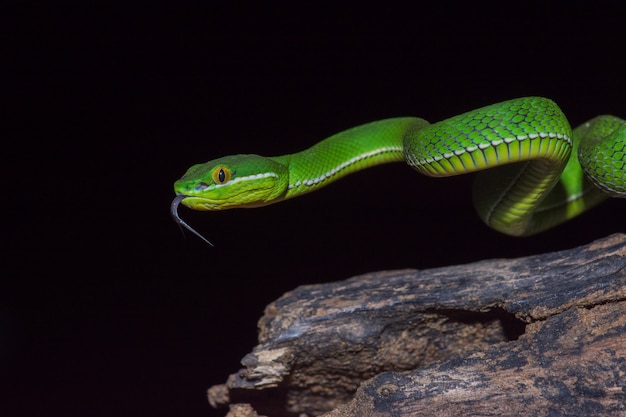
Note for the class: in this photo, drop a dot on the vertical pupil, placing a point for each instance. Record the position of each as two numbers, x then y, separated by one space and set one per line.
221 175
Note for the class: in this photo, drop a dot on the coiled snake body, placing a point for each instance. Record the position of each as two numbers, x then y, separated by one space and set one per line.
545 172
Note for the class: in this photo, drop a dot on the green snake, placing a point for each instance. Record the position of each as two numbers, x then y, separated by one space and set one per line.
544 172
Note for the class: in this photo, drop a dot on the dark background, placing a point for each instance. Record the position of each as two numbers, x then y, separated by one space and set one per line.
106 309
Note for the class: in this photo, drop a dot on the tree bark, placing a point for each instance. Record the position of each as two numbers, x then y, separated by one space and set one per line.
539 335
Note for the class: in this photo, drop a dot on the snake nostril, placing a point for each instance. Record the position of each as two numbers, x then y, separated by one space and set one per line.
202 186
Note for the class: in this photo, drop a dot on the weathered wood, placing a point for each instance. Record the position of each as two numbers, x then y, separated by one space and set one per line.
535 335
573 363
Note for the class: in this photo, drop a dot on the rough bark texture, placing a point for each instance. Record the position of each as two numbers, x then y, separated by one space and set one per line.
540 335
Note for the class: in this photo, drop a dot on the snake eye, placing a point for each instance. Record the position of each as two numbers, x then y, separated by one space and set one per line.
221 175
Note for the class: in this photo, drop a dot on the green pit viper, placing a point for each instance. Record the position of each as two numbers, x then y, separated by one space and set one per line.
545 172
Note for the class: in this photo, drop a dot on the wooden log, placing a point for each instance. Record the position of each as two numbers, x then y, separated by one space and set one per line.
539 335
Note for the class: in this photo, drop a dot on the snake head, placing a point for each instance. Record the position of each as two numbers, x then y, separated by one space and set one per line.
231 182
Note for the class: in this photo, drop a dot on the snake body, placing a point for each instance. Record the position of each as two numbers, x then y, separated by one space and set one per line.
544 173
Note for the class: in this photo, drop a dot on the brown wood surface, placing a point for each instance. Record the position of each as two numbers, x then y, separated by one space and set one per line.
540 335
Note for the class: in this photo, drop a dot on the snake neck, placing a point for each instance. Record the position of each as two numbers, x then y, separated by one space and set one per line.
350 151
